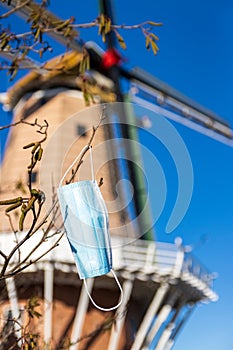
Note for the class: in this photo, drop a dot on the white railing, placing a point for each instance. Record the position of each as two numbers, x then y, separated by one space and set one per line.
157 257
147 257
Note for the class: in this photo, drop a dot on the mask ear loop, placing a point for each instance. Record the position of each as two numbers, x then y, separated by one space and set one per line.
100 307
92 165
85 148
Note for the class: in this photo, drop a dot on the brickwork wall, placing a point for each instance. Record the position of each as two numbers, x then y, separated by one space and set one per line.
66 115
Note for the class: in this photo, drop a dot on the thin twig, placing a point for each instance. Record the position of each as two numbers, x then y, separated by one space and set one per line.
15 9
86 149
10 274
3 255
42 240
21 121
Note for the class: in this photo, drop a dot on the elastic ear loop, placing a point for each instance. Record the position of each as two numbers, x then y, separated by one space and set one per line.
85 148
92 166
102 308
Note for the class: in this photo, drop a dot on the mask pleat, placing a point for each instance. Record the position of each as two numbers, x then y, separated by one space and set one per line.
86 221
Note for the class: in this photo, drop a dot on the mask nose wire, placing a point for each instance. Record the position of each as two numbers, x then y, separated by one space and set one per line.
85 148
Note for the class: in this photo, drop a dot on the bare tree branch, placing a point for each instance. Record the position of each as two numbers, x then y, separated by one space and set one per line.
31 202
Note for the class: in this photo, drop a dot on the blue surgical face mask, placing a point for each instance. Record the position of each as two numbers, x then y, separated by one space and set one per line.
85 219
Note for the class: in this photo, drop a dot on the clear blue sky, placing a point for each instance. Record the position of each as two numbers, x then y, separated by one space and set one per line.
195 57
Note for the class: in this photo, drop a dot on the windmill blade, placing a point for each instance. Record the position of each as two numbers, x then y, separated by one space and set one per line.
25 10
162 98
165 99
27 62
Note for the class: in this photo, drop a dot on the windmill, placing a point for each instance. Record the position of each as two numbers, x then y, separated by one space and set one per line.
162 281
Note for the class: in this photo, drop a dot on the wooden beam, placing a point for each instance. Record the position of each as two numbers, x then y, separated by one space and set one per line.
80 314
12 295
150 314
121 315
48 302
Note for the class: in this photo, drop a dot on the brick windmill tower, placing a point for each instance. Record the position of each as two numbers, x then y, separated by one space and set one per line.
161 283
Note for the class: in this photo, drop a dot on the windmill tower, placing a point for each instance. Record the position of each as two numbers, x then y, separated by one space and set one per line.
162 283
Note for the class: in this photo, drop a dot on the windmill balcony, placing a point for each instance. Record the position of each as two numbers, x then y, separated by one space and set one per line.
158 281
